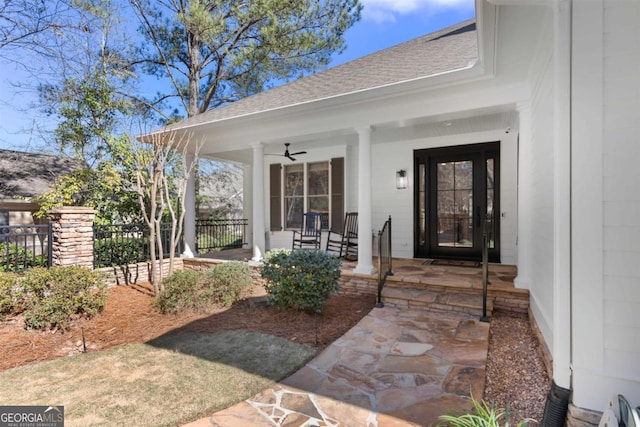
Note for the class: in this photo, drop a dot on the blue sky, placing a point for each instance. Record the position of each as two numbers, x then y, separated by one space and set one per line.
384 23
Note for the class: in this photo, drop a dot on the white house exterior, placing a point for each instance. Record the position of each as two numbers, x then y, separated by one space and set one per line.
555 85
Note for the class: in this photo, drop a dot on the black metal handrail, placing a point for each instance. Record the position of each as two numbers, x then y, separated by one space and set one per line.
385 267
25 246
220 234
485 272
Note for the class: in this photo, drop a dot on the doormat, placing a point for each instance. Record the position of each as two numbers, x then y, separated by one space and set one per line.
455 263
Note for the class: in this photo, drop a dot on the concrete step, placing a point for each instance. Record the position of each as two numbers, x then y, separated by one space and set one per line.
436 298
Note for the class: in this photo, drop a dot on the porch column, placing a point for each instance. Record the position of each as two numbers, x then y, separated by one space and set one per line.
247 201
190 210
525 190
365 238
258 241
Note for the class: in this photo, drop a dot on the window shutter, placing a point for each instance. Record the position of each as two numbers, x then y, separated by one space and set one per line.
274 196
337 194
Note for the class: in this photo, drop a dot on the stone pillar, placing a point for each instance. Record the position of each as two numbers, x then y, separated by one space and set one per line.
72 228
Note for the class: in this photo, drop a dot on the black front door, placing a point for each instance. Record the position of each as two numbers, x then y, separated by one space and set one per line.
457 200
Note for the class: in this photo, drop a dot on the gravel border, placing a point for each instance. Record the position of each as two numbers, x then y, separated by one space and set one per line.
516 377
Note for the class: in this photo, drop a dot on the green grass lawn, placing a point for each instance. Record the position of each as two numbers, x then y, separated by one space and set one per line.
166 382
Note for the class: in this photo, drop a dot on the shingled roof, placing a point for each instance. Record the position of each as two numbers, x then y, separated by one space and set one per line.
449 49
31 174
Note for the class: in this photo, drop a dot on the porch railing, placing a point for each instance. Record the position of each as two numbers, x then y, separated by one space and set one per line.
122 244
220 234
25 246
385 267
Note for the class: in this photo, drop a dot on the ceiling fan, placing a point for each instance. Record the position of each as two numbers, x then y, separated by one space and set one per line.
290 155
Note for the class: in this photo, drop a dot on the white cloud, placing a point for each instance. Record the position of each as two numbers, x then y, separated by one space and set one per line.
387 10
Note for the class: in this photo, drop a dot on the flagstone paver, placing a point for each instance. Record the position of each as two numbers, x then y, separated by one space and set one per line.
394 368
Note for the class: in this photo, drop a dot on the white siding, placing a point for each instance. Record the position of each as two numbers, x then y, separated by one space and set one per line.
538 188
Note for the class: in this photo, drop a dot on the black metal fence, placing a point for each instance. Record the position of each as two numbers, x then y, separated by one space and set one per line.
25 246
122 244
385 267
220 234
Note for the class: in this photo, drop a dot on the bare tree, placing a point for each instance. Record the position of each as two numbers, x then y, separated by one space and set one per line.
162 172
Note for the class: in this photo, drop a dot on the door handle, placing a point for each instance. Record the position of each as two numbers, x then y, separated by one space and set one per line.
478 219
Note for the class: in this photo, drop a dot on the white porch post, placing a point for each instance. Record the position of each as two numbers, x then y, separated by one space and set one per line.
258 240
365 238
247 201
525 226
190 211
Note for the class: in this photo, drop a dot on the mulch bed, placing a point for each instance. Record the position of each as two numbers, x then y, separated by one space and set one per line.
129 317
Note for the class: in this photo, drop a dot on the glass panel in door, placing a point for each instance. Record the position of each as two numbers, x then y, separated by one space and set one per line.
490 221
454 202
422 206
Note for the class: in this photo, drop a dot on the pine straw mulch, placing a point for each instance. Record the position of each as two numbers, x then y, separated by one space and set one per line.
129 317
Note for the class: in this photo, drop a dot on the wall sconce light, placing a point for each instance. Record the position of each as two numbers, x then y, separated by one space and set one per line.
401 179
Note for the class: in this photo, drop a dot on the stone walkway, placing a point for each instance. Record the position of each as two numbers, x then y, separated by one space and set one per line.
394 368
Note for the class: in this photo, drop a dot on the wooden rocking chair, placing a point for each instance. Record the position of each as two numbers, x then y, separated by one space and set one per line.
310 232
345 244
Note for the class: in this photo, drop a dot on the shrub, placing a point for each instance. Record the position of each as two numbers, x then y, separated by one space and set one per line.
8 294
53 298
300 279
190 290
181 291
228 280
